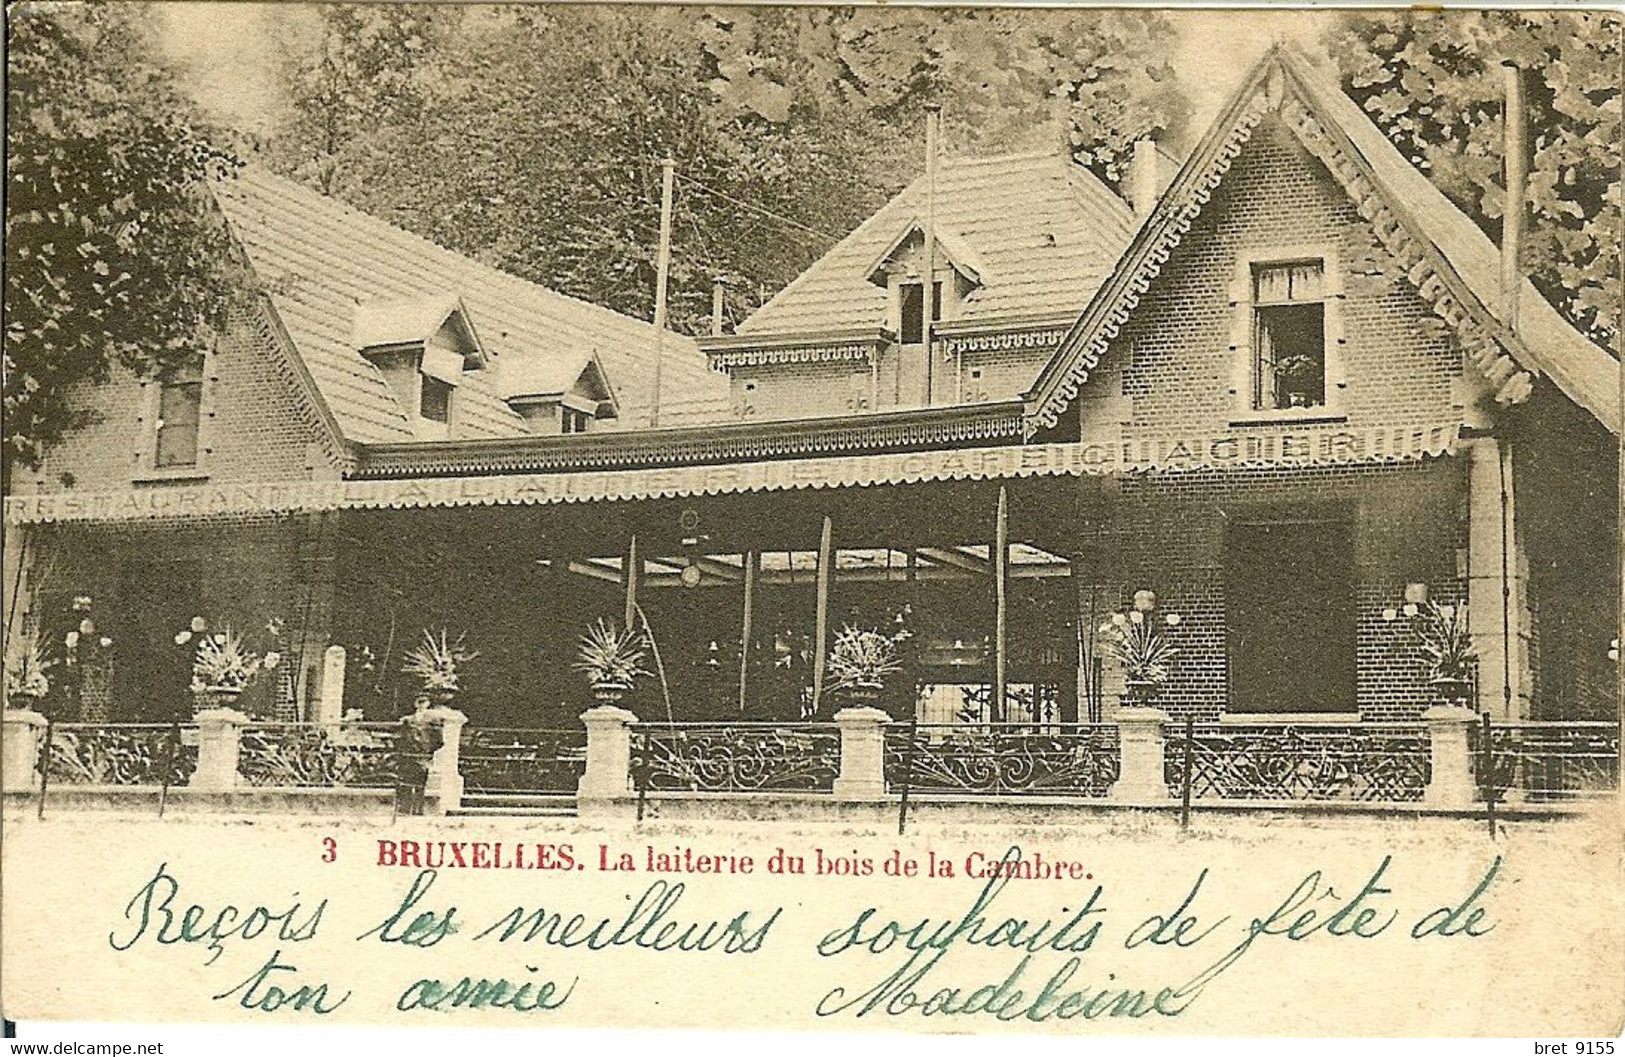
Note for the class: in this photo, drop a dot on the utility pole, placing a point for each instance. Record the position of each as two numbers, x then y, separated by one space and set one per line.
928 305
1516 149
1517 170
668 177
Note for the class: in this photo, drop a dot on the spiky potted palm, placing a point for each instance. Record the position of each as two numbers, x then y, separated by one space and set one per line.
612 659
223 667
224 663
437 663
1444 638
26 683
859 662
1140 640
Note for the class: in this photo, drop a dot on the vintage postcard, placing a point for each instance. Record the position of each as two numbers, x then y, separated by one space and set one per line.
1025 521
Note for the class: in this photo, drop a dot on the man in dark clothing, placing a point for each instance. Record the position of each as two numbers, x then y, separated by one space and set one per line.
419 740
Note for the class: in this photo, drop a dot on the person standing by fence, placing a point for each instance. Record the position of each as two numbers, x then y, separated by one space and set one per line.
419 740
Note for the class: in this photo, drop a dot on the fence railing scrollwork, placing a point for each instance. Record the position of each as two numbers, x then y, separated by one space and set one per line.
1263 761
302 755
1076 759
736 757
1450 760
122 754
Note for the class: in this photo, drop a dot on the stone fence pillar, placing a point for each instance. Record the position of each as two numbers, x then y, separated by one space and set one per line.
444 789
1140 743
330 691
606 783
1451 782
219 740
863 754
21 732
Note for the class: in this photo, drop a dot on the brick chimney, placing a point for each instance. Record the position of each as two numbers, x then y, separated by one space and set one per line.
1145 180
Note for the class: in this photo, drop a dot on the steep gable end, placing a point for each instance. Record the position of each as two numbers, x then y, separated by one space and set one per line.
1440 257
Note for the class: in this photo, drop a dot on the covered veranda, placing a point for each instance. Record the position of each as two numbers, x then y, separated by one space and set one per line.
739 597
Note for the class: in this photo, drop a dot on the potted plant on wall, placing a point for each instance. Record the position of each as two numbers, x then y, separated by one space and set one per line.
1446 642
437 663
1141 641
26 683
612 658
222 667
859 662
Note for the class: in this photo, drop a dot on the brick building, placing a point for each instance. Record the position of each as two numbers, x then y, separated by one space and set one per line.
1277 385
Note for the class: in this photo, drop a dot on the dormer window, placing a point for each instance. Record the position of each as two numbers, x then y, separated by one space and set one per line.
564 396
574 420
434 403
422 348
911 323
901 269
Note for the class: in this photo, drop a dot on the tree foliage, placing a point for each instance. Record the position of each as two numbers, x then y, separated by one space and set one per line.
1433 84
113 254
531 138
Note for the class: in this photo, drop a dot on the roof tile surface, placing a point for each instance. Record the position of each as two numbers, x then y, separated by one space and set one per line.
319 259
1044 230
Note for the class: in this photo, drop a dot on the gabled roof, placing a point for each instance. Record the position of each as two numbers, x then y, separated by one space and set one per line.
414 320
320 259
554 377
1454 265
1043 232
956 252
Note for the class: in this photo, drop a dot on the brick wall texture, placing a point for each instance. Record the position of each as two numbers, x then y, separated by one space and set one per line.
254 425
1174 358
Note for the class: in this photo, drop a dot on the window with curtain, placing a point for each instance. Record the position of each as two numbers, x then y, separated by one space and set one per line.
1289 335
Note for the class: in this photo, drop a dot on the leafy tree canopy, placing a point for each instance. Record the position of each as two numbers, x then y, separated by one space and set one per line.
113 253
1434 85
531 138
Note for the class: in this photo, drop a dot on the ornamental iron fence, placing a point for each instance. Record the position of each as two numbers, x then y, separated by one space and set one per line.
157 754
304 755
510 760
1545 761
1066 759
736 757
1381 762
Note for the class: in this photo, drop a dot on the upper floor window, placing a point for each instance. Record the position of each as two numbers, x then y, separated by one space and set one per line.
1289 335
180 403
572 420
434 402
912 322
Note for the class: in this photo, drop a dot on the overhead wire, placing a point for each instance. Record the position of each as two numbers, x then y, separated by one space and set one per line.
781 218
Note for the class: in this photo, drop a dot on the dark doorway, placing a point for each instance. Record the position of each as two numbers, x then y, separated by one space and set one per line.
1290 614
153 674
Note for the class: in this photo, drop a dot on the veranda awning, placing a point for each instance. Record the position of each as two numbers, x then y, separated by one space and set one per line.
1241 449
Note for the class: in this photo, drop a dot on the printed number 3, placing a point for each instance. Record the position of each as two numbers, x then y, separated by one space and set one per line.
330 849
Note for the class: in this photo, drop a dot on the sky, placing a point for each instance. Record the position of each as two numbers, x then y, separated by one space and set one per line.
229 51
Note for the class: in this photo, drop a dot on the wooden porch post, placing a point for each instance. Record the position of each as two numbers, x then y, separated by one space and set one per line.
1001 576
753 565
821 621
634 567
